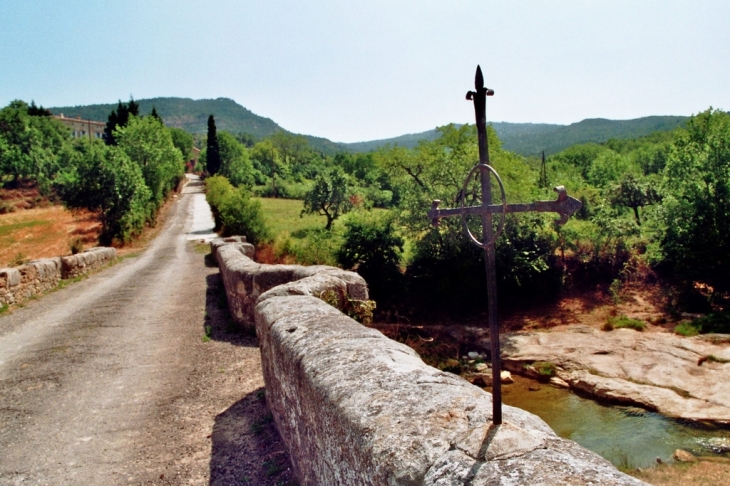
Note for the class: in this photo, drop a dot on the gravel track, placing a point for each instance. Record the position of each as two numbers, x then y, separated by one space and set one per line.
112 380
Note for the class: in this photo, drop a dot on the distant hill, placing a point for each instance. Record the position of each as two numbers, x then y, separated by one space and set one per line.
533 138
591 130
523 138
192 116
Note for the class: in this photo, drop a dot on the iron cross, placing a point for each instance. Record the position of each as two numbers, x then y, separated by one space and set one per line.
564 205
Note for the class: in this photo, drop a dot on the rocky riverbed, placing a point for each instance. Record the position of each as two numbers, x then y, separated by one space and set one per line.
681 377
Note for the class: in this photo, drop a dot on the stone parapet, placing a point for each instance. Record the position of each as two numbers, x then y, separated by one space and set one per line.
354 407
20 283
86 261
245 280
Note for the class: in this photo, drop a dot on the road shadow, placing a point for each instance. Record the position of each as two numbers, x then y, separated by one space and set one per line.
219 325
247 448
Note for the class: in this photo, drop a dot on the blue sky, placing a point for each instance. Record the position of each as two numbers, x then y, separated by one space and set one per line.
363 70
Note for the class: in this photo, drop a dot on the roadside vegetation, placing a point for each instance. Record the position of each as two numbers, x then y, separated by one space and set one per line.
654 212
121 181
655 208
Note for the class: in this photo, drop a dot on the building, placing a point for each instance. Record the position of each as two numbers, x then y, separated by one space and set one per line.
83 128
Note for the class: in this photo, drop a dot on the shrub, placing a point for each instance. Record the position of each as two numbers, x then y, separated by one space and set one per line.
242 215
234 211
216 188
616 322
18 260
717 322
77 246
545 368
373 249
687 328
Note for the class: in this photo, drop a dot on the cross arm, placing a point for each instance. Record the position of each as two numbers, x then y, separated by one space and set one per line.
564 205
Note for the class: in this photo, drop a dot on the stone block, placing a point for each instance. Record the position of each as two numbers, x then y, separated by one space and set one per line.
10 276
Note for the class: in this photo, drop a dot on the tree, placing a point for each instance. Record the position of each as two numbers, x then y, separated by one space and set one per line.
608 167
104 180
183 141
373 249
119 118
696 206
328 197
266 159
212 153
293 150
235 163
154 114
30 144
149 144
34 110
634 192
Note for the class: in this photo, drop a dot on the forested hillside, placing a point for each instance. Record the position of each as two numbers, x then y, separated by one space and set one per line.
192 116
522 138
533 138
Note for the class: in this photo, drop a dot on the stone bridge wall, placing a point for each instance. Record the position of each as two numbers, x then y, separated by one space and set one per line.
20 283
354 407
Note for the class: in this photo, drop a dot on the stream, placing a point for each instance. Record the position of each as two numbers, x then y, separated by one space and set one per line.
629 437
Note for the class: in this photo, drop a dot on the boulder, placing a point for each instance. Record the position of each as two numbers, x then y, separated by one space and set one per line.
680 455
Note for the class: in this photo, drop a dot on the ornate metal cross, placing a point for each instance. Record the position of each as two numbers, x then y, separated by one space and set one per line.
565 206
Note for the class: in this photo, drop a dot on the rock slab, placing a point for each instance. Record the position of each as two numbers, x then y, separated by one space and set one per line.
658 371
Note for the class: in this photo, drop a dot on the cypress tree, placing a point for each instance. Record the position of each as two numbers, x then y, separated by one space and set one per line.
111 124
133 107
119 118
213 153
154 114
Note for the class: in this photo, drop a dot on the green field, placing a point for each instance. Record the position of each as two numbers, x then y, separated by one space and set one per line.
303 238
283 216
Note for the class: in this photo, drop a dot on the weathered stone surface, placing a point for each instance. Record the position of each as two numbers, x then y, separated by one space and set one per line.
559 382
38 276
91 259
655 370
484 378
10 277
354 407
680 455
245 280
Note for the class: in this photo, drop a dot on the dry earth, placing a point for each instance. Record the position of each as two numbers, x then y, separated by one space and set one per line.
134 376
44 232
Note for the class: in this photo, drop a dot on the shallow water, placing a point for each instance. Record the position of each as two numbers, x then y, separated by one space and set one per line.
627 436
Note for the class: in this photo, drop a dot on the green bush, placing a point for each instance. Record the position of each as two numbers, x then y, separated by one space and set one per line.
234 211
687 328
373 249
216 188
545 368
317 246
617 322
717 322
103 179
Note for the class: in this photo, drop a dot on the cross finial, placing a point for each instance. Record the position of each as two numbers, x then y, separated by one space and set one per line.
479 86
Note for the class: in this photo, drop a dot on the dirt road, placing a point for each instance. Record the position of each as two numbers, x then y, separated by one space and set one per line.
134 376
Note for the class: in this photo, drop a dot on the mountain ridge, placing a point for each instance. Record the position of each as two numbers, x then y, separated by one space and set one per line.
524 138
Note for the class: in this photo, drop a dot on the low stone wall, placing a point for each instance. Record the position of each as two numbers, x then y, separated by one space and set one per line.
86 261
354 407
245 280
20 283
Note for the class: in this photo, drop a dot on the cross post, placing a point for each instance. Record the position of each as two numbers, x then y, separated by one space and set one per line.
564 205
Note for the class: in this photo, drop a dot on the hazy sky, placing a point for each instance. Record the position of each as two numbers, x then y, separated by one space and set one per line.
363 70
